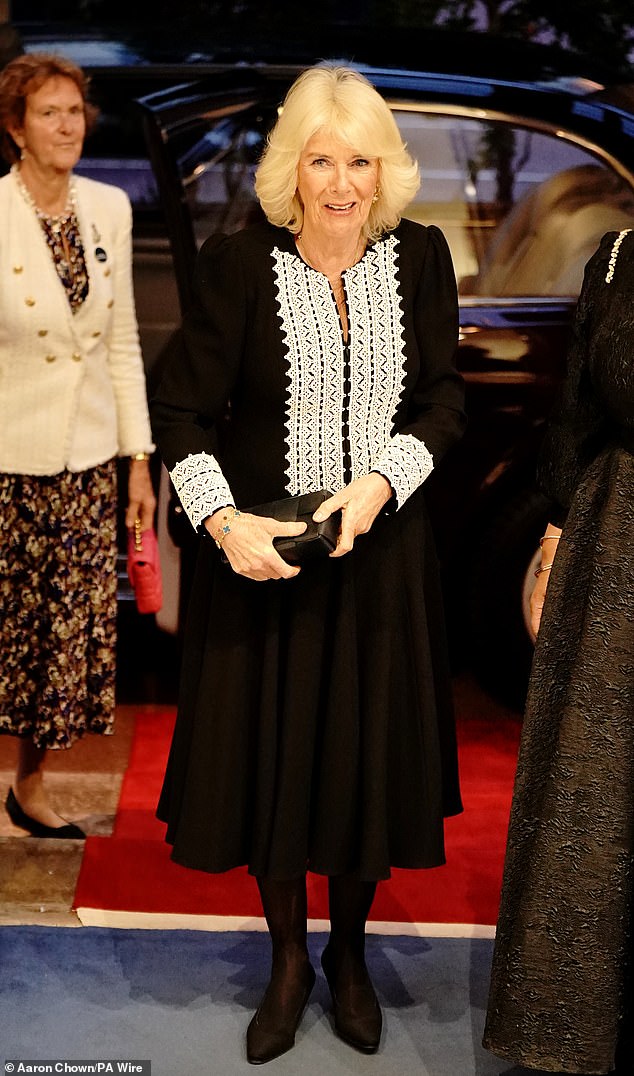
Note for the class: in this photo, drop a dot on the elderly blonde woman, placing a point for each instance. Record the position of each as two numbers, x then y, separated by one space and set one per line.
72 399
315 729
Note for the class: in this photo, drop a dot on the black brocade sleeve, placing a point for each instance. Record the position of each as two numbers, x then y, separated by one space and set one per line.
577 427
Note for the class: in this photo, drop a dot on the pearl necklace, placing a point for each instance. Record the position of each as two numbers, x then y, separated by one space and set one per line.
55 221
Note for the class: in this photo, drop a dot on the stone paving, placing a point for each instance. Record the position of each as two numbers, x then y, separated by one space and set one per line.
38 876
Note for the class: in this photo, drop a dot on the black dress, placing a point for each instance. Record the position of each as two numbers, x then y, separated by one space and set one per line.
560 992
315 726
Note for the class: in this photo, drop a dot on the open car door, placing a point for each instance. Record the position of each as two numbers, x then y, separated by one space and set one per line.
204 140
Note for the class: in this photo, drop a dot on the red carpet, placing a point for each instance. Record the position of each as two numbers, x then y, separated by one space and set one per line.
131 872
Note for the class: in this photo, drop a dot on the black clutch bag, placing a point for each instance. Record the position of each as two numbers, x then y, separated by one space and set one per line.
318 539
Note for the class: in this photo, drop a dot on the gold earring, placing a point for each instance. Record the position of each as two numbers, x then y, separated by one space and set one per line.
376 195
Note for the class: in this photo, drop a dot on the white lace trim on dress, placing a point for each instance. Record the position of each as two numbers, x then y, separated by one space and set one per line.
614 254
201 486
324 395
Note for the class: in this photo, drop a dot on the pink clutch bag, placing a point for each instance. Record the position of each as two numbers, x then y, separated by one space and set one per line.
144 568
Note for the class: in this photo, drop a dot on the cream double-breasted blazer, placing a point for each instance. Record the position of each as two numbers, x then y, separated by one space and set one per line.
72 386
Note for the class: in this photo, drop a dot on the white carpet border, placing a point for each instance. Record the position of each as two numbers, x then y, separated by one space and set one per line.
102 917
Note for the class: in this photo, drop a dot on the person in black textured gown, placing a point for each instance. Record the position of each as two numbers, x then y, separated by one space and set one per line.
315 728
561 987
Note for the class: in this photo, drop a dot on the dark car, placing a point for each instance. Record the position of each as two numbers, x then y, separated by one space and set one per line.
527 159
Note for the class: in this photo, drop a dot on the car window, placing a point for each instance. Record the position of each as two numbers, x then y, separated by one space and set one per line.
216 160
522 210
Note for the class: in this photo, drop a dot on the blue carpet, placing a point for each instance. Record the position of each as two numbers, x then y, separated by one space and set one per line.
183 999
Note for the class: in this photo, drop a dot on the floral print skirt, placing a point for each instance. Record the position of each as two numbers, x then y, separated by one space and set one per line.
58 604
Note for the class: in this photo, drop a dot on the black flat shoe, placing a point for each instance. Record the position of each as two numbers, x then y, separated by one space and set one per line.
357 1013
267 1038
38 829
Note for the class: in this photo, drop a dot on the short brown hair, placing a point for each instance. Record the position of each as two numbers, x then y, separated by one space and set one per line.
25 75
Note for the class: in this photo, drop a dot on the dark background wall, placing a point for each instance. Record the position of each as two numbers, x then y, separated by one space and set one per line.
601 28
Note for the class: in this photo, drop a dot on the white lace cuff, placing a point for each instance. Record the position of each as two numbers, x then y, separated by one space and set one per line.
201 486
406 462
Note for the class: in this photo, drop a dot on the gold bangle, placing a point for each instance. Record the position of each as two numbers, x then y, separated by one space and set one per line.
140 456
546 568
549 538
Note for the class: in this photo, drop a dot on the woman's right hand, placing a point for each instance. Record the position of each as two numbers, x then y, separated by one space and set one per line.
249 547
549 544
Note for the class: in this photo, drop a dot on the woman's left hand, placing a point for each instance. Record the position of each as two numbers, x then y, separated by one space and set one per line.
360 504
141 499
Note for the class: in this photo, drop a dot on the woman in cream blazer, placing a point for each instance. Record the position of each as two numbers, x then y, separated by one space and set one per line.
72 399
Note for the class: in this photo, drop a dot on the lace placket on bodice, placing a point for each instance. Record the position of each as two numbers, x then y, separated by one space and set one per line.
343 392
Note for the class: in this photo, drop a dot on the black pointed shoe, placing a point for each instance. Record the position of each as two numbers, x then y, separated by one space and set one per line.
266 1040
357 1013
38 829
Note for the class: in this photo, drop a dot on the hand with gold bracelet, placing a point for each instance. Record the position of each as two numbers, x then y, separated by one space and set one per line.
141 498
549 544
247 541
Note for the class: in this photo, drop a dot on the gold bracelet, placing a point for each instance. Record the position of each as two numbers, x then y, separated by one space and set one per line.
225 527
141 456
546 568
549 538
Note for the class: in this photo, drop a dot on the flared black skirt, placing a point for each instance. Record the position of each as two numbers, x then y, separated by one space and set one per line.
315 727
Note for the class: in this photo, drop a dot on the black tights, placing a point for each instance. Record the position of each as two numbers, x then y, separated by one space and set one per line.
350 900
285 910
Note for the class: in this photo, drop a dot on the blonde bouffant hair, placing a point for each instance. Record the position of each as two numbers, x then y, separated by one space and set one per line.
342 103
